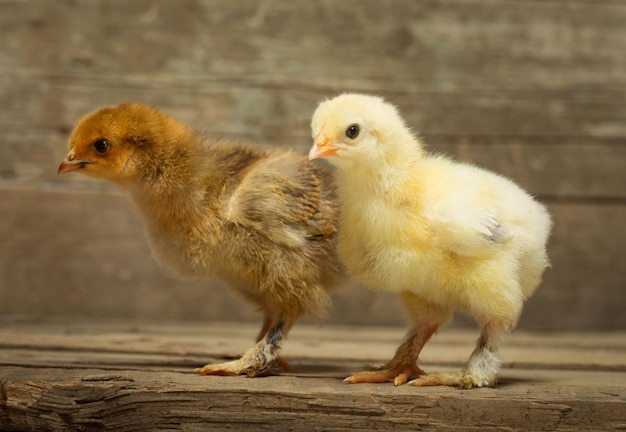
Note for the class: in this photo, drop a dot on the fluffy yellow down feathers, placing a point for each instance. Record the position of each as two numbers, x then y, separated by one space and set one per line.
446 236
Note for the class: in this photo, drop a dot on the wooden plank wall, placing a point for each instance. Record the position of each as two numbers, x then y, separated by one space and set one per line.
534 89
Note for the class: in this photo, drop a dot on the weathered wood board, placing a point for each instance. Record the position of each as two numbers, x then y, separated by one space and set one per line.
534 90
97 375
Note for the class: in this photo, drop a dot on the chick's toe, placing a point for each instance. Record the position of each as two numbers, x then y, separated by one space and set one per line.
250 364
452 379
399 375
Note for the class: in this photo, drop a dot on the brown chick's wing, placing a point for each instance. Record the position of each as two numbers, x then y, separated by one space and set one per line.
280 198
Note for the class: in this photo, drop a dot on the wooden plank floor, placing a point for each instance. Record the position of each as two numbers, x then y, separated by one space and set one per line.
105 375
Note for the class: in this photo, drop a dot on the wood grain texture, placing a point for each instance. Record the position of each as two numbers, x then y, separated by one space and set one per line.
534 90
506 73
101 375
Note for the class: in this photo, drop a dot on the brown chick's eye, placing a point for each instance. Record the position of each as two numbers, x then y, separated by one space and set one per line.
102 146
353 131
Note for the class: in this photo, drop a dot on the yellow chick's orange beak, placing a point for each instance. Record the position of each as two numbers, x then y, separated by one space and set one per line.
321 148
68 165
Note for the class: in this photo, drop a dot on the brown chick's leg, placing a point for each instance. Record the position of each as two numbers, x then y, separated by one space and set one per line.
256 361
267 324
481 369
403 366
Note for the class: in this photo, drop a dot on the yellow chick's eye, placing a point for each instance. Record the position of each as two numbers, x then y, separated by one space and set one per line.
102 146
353 131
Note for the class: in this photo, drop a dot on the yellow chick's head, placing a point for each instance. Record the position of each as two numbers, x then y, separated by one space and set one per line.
359 129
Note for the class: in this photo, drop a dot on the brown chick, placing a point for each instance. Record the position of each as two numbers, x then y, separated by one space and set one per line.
264 222
444 235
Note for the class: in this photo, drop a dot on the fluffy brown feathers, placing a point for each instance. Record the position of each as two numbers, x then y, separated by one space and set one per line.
265 222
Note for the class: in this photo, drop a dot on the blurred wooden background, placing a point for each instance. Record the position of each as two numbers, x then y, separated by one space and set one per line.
535 90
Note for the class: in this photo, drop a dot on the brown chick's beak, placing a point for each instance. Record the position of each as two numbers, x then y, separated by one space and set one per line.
72 165
321 148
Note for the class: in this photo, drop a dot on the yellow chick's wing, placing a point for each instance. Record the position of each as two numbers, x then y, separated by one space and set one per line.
280 198
470 237
465 212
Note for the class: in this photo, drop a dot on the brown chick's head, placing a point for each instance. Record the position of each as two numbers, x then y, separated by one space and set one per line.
351 128
113 143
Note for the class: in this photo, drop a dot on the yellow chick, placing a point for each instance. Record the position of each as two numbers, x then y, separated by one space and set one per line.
446 236
264 222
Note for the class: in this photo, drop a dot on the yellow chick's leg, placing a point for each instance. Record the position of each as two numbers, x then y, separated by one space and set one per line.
259 358
403 366
481 369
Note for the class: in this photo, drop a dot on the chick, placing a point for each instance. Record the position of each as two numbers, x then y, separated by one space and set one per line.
264 222
446 236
